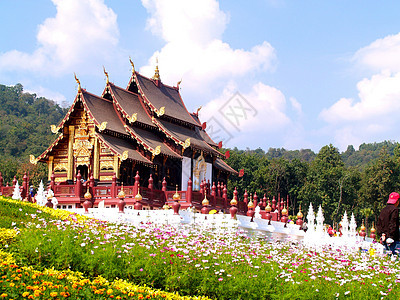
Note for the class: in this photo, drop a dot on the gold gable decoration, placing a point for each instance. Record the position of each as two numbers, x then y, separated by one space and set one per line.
124 155
161 111
32 160
102 126
83 145
187 143
107 165
156 151
54 128
61 167
133 118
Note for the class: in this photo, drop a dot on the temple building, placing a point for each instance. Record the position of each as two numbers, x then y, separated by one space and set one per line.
144 127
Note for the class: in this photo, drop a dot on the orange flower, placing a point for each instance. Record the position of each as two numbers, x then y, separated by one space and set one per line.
3 295
53 294
109 291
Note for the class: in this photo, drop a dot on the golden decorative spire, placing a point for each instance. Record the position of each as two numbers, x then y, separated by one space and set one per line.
133 66
156 72
179 83
176 196
104 69
79 84
205 201
121 194
300 214
88 195
373 228
138 197
250 204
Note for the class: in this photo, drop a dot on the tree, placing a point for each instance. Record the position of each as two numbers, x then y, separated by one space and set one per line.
322 186
379 179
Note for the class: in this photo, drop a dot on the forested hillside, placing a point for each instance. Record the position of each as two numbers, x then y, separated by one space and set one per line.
24 129
358 181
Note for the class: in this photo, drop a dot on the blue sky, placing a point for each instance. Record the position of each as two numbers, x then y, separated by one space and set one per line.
271 73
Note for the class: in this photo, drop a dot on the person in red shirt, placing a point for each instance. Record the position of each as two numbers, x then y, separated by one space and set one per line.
388 224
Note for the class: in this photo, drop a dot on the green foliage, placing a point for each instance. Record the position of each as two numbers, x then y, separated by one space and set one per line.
25 123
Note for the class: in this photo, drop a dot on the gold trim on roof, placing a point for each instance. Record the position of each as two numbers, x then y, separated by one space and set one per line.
54 128
102 126
156 151
161 111
32 160
187 143
133 118
124 155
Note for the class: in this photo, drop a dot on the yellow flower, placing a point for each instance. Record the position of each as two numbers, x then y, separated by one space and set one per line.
53 294
109 291
25 294
3 295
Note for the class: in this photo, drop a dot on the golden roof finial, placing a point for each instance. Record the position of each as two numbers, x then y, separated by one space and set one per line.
156 72
79 84
105 72
179 83
197 111
133 66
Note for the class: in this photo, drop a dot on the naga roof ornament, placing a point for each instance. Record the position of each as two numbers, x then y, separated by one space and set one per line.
133 66
106 73
79 84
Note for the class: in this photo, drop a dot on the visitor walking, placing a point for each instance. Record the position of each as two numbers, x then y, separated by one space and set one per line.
388 224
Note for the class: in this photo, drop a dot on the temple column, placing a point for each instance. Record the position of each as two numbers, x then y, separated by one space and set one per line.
116 166
96 159
50 166
70 174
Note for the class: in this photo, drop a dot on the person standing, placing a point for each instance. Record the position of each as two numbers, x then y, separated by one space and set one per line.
388 224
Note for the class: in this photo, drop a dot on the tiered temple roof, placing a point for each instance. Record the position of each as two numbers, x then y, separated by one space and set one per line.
148 119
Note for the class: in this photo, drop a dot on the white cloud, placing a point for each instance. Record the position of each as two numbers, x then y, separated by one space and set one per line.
41 91
373 115
190 21
194 49
296 106
240 117
83 32
378 97
382 54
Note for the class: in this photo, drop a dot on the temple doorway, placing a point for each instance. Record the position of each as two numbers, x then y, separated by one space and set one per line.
84 172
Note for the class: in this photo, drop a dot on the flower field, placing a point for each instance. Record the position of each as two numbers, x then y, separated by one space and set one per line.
52 254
